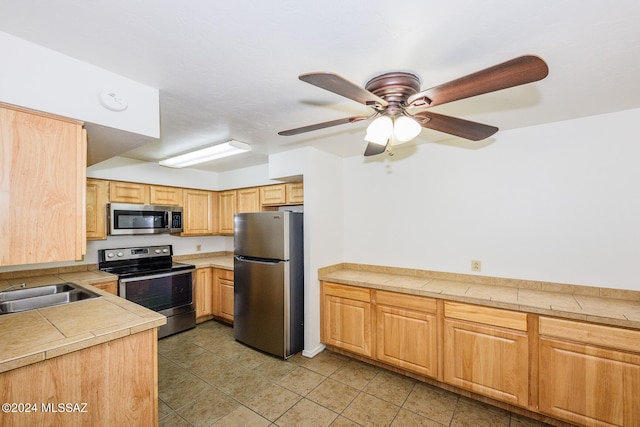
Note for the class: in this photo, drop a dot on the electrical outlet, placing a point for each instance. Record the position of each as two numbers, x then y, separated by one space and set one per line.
198 248
476 265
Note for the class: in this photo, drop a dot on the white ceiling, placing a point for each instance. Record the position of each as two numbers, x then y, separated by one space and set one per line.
228 69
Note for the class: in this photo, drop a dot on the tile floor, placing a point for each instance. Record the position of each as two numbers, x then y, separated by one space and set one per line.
206 378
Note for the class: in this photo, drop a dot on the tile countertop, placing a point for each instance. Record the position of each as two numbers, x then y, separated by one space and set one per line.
566 301
223 261
35 335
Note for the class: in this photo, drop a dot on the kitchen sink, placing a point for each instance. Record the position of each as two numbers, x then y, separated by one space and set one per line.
43 296
35 291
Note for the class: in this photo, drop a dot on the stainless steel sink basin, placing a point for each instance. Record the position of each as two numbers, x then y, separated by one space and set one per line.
35 292
43 296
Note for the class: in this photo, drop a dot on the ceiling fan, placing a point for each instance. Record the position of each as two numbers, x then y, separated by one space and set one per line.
401 109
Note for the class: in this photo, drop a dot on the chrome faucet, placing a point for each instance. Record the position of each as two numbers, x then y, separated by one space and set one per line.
19 285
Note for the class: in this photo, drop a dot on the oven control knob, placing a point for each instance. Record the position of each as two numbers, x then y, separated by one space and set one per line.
157 251
110 255
165 250
120 254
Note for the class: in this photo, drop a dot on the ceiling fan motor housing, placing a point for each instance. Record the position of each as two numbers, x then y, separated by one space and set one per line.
395 88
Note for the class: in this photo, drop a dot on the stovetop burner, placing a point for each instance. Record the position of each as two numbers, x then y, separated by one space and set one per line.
137 261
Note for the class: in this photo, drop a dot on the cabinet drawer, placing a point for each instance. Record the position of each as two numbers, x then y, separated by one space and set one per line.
410 302
486 315
345 291
604 336
224 274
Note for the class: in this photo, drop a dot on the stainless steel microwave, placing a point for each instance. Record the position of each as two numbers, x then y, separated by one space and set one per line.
125 218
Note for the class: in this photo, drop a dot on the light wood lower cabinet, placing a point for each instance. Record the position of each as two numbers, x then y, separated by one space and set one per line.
204 294
486 351
346 318
589 374
223 290
407 332
111 287
115 383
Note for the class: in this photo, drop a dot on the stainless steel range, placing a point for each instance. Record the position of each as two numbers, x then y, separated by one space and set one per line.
148 276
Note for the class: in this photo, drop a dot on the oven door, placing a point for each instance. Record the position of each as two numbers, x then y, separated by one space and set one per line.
169 293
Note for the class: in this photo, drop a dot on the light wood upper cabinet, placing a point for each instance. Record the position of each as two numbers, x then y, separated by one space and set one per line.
248 200
204 294
346 318
42 187
407 332
290 193
226 210
589 374
97 194
198 212
486 351
167 196
128 192
294 193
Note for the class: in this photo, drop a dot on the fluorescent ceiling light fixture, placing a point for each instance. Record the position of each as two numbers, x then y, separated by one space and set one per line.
218 151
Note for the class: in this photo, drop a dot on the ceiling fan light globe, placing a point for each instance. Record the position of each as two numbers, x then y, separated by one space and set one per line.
380 130
405 129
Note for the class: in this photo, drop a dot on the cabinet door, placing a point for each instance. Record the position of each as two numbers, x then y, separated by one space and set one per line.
111 287
248 200
168 196
595 382
128 192
273 194
223 294
489 360
346 318
295 193
197 212
97 193
42 188
203 297
226 210
407 332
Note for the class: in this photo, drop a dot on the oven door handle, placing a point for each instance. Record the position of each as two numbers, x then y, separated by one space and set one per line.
154 276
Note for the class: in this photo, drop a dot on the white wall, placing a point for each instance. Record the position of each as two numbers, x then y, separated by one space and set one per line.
557 202
35 77
323 224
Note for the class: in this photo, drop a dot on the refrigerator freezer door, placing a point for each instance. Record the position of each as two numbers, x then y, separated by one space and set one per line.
261 305
262 235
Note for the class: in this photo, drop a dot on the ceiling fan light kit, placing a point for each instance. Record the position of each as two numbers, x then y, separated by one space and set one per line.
401 109
207 154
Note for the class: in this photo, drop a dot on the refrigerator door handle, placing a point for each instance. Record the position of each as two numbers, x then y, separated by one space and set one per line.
257 260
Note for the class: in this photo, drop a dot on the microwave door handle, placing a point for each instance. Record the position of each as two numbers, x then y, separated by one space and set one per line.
166 220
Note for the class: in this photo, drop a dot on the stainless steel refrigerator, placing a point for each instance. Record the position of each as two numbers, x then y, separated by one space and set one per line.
269 282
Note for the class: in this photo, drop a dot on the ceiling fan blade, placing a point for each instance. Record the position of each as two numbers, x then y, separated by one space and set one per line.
455 126
341 86
322 125
518 71
375 149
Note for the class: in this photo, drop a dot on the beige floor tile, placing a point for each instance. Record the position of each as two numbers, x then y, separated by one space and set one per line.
341 421
356 374
184 392
325 363
392 387
431 402
163 409
242 417
173 420
306 413
371 411
301 380
207 408
274 369
470 414
521 421
246 385
273 402
333 395
407 418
